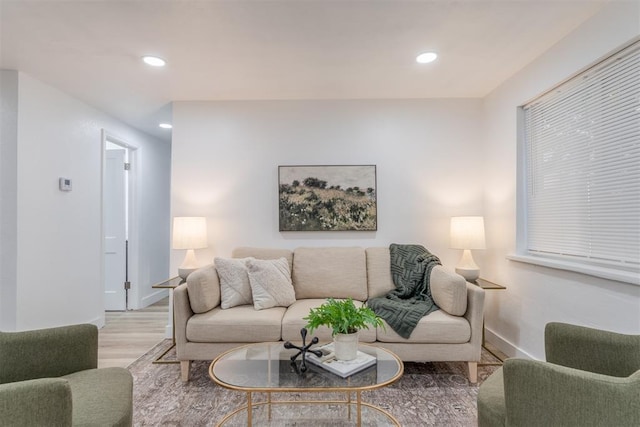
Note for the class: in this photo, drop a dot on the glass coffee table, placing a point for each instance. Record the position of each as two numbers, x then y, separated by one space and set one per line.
267 368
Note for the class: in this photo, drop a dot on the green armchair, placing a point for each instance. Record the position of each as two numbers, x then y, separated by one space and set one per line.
49 377
591 378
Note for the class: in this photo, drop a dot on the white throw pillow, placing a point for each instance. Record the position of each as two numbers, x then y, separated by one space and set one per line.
234 282
270 283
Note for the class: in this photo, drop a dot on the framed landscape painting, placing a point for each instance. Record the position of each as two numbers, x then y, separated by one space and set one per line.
327 198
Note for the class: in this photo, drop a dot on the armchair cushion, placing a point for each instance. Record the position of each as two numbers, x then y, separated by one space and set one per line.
491 406
106 396
545 394
39 402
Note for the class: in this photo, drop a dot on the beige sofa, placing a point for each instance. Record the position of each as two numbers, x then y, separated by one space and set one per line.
203 330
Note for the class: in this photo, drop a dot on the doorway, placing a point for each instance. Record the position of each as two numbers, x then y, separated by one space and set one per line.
118 224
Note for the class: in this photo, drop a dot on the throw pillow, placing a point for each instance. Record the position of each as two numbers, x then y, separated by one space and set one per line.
234 282
270 282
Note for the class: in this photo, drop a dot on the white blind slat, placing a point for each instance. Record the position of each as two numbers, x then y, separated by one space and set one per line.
582 148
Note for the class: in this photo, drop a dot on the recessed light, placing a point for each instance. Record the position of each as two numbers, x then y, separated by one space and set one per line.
154 61
165 125
425 58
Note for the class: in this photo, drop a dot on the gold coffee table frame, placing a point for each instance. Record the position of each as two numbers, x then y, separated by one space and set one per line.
329 389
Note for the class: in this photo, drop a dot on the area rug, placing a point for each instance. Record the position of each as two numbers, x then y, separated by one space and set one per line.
428 394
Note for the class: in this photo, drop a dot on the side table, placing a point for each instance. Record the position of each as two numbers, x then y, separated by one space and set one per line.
170 284
489 286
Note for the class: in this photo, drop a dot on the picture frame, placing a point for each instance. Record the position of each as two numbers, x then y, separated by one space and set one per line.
327 198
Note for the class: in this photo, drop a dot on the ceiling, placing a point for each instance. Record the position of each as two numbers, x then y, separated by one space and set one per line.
253 50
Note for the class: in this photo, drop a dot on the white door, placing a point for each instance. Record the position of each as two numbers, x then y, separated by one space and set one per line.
115 214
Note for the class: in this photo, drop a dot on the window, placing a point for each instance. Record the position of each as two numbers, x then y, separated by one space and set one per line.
582 170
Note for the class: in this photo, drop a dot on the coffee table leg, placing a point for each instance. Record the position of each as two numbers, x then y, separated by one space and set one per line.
249 410
359 408
349 405
269 403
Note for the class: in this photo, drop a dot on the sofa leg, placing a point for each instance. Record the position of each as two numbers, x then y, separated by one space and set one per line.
185 366
473 372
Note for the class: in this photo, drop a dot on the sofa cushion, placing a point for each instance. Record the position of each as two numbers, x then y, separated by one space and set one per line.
449 290
235 288
270 283
330 273
438 327
264 253
203 286
379 271
293 321
101 397
238 324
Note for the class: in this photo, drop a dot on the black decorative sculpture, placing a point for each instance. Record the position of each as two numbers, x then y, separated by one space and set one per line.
303 349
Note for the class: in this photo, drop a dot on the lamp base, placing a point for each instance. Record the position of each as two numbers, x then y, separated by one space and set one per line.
189 265
467 267
184 272
470 275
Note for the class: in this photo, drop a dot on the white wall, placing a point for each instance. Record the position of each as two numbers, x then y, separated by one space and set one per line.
226 155
59 233
537 295
8 196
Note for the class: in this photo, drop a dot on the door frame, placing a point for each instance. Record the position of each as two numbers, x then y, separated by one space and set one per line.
132 216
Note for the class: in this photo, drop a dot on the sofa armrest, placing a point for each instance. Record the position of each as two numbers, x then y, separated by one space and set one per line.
51 352
181 312
592 350
204 289
475 315
41 402
449 290
545 394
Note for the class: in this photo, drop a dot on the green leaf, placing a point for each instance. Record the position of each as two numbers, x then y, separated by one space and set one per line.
342 317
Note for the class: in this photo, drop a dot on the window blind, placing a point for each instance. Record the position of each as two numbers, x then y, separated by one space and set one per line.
582 149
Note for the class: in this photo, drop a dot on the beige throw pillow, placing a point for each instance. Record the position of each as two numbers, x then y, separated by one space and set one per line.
234 282
270 282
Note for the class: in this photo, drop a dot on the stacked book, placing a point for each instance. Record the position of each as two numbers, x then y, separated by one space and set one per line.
343 368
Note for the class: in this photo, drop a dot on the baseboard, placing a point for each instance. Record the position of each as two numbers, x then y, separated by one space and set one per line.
505 346
156 296
98 321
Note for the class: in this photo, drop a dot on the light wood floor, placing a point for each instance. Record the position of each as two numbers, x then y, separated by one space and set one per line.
128 335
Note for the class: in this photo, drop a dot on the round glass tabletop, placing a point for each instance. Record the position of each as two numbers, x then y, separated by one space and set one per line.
267 367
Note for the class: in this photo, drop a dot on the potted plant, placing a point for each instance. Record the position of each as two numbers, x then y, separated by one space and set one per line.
345 320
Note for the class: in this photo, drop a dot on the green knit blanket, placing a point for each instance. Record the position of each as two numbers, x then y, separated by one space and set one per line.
403 307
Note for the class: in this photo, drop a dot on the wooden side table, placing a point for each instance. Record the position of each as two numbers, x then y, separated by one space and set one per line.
170 284
489 286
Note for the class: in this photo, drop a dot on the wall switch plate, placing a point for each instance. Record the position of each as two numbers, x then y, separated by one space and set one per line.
65 184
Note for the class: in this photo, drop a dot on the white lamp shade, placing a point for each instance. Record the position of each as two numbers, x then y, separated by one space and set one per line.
467 232
189 232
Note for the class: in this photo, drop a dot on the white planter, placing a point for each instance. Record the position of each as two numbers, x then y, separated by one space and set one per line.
346 346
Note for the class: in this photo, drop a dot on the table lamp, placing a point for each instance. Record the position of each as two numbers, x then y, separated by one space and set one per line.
189 233
467 232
